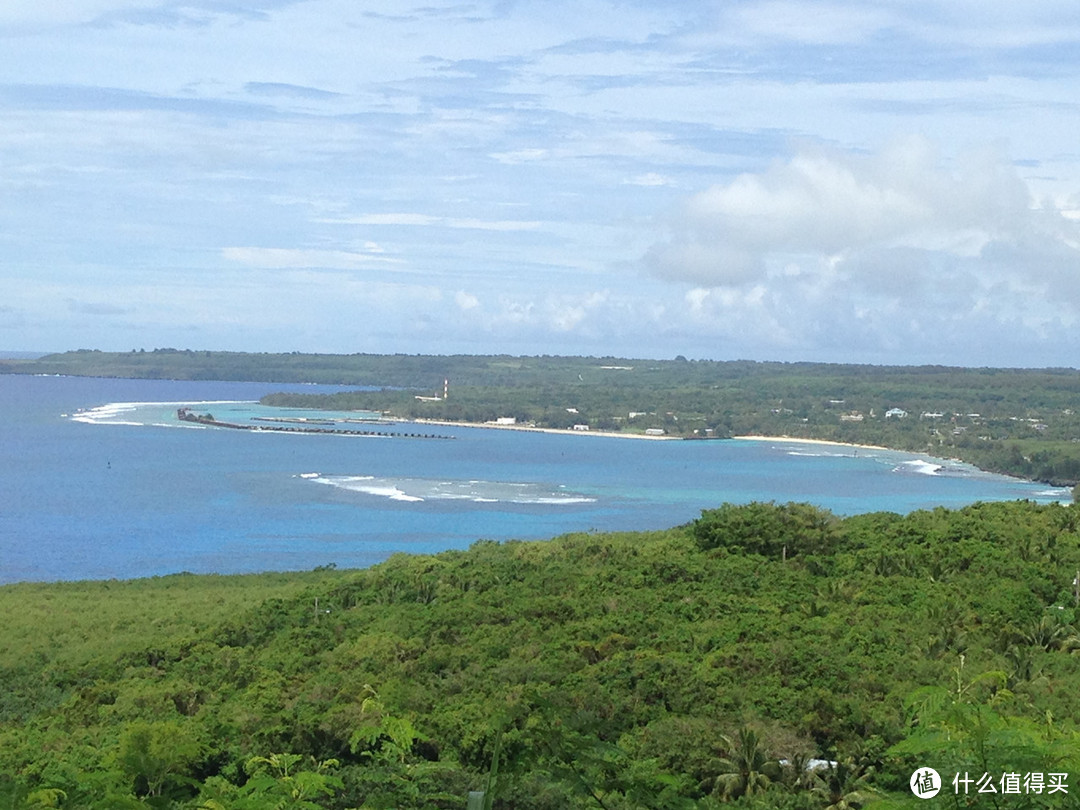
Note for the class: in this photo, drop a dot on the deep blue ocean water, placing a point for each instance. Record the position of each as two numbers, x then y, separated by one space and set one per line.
98 479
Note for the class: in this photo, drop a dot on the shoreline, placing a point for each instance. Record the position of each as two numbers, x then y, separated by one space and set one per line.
614 434
794 440
879 447
752 438
610 434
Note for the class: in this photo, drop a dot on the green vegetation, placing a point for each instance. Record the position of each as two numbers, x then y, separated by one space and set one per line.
698 667
1023 422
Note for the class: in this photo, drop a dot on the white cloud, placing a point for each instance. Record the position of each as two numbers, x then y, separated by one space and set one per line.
281 258
466 301
521 156
427 220
649 179
585 313
890 250
824 207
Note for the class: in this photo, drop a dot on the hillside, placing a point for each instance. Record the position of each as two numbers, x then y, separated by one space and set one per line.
661 670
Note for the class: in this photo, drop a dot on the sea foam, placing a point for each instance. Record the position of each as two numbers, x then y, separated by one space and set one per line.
418 490
150 412
921 467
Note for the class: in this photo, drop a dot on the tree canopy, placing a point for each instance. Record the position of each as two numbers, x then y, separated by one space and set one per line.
698 667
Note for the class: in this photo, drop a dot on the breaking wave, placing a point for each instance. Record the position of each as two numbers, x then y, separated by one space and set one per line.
920 467
140 414
418 490
819 454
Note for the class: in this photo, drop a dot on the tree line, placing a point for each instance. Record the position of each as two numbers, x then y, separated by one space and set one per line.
1022 422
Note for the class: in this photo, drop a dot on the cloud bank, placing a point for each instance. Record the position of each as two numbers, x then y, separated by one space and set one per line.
898 247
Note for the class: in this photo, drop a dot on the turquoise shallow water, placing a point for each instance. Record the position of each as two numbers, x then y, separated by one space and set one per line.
98 479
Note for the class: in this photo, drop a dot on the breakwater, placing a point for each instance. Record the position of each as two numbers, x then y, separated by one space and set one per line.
187 415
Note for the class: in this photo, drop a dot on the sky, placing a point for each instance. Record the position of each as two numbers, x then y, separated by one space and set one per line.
888 181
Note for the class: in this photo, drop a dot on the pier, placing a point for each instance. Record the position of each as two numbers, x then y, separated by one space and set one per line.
188 415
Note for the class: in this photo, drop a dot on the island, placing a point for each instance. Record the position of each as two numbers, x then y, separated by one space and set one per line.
1020 422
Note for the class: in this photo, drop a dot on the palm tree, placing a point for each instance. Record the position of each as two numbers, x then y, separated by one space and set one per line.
843 786
1024 667
798 774
745 770
1050 633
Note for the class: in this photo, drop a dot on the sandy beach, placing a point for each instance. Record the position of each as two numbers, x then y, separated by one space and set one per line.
796 440
611 434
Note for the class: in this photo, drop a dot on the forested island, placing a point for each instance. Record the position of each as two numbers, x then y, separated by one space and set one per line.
763 656
1021 422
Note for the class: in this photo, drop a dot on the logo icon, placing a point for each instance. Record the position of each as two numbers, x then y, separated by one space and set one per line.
925 783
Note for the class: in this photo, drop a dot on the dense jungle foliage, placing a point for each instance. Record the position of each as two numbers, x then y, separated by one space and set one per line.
699 667
1023 422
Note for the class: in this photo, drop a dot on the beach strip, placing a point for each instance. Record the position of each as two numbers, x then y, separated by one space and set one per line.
611 434
799 440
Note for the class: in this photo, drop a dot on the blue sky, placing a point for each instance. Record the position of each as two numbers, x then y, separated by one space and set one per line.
885 182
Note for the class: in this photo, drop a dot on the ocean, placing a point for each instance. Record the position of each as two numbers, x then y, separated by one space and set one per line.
99 480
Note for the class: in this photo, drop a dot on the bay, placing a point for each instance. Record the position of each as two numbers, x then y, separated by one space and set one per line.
99 479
